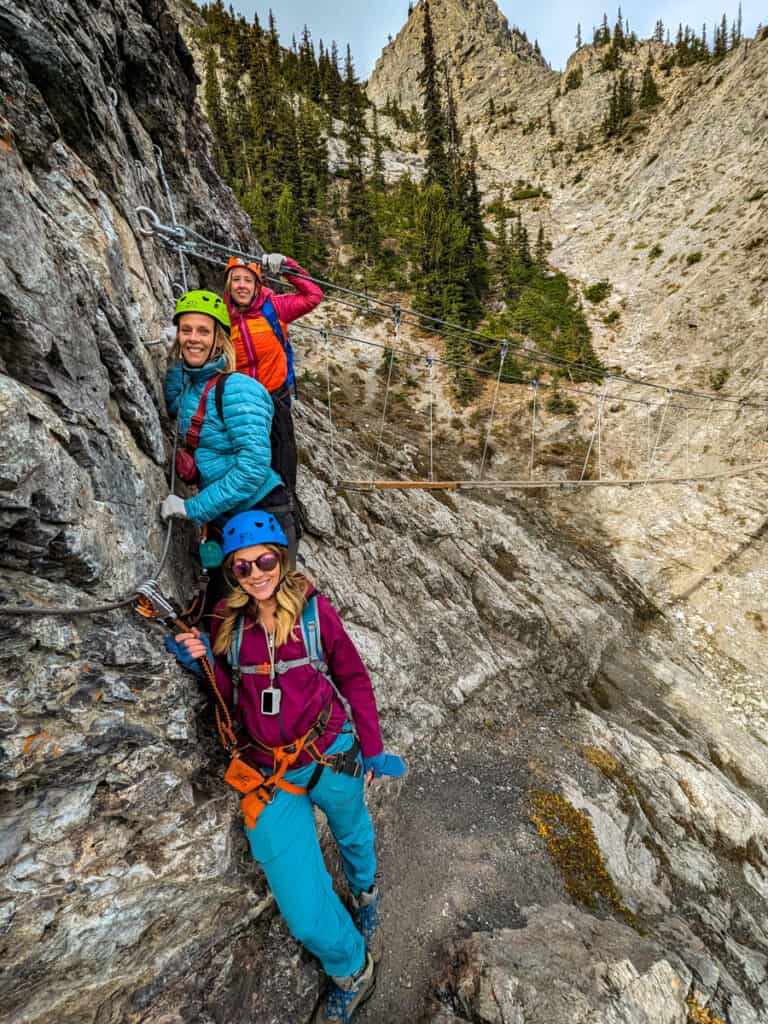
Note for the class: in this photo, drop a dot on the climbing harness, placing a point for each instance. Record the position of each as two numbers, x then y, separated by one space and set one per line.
260 789
258 786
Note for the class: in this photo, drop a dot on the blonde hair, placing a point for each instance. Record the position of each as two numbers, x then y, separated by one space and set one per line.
291 597
221 346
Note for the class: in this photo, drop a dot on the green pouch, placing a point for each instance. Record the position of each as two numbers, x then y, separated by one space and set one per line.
211 555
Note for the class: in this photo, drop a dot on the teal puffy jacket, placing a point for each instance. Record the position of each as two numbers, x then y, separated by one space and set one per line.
234 456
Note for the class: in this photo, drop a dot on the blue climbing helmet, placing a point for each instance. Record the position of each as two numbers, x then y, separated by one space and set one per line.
249 528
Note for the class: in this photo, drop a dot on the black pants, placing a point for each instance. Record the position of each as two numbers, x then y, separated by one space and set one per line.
283 438
281 505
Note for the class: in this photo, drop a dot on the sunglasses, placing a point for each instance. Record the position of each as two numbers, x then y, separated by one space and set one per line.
243 567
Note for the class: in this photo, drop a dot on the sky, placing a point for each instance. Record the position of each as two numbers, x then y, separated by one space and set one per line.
366 25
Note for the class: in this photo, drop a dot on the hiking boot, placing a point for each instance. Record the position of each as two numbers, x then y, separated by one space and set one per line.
365 914
339 1004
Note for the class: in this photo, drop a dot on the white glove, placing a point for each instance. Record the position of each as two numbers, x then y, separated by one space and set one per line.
173 506
273 261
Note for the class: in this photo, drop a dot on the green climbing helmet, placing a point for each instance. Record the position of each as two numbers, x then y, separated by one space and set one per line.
203 302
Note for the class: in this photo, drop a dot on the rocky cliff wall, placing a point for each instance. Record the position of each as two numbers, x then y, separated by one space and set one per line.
672 215
127 890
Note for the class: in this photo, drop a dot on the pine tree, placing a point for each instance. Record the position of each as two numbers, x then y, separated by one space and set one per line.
540 253
476 275
434 121
501 251
360 223
618 34
578 36
649 94
658 32
377 169
720 47
440 240
213 105
287 226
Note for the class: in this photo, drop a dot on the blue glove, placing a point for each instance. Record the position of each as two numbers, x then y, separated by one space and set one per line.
385 764
182 655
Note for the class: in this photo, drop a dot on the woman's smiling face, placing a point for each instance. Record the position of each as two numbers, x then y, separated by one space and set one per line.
259 583
196 338
243 285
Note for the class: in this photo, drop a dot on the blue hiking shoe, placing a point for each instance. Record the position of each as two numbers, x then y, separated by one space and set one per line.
346 995
365 913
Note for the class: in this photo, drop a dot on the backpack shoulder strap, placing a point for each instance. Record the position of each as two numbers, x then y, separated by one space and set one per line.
218 395
269 313
192 438
310 633
233 657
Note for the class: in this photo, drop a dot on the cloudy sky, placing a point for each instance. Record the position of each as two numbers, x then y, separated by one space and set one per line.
366 25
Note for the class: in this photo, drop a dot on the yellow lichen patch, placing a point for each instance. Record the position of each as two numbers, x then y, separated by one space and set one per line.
573 847
609 766
698 1014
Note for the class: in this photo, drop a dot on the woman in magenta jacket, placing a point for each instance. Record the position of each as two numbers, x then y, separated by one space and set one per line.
277 694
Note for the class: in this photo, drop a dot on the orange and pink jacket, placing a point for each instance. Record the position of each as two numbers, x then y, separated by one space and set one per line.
258 352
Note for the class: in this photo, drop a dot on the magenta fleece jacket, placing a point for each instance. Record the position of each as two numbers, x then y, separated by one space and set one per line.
305 692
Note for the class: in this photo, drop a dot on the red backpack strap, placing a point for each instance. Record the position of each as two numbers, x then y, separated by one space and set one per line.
192 439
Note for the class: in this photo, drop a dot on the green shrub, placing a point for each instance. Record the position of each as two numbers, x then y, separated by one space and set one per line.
559 404
693 257
718 378
757 195
574 79
529 192
655 252
598 291
612 318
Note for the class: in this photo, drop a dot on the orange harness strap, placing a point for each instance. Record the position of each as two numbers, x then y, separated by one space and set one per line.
259 789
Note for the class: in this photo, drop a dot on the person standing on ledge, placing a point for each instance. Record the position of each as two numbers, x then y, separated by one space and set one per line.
259 318
225 420
296 685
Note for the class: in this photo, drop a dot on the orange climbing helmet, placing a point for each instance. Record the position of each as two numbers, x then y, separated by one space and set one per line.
235 261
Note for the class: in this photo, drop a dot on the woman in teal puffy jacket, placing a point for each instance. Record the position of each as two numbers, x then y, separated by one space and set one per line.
233 454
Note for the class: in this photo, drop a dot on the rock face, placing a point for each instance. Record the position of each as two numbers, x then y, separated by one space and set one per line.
672 215
563 965
128 894
482 57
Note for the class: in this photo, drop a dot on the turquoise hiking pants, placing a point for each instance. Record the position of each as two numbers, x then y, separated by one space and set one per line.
285 844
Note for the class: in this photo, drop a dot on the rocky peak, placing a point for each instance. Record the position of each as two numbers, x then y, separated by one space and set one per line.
481 54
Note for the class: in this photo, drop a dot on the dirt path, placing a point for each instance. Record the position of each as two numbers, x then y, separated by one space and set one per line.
458 854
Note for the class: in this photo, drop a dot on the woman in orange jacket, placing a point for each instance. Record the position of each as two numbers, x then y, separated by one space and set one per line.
259 334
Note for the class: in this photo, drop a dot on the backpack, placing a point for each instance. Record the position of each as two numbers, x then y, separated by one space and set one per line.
282 443
269 313
313 645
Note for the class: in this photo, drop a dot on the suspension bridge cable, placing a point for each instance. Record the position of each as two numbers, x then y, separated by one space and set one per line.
493 409
174 237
